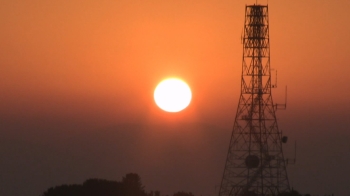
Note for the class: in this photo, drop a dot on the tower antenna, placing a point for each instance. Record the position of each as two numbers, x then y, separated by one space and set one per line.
255 164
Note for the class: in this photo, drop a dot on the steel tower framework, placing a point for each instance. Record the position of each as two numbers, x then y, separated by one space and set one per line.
255 165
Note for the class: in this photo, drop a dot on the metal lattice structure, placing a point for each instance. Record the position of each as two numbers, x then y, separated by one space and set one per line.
255 165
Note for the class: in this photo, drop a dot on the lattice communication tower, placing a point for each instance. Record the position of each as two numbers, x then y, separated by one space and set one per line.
255 165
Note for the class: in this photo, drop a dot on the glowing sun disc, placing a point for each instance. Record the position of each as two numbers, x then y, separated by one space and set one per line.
172 95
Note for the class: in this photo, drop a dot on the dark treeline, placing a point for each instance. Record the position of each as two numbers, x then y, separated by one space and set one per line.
293 193
129 186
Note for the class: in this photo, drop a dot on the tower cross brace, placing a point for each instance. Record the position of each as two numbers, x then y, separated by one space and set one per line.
255 164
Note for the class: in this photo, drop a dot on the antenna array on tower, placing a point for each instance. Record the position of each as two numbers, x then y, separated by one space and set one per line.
255 164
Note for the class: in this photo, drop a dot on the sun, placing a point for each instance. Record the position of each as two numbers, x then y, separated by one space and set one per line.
172 95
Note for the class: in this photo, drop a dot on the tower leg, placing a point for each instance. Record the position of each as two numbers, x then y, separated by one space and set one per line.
255 165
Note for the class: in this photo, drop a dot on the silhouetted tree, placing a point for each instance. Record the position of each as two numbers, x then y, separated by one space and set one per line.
129 186
132 185
182 193
99 187
65 190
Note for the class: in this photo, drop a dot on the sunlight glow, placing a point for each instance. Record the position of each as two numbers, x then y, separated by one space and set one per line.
172 95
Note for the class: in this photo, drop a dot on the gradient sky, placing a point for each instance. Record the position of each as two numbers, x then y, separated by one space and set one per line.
77 80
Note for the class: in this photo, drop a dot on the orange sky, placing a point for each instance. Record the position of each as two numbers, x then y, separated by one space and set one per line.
96 63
